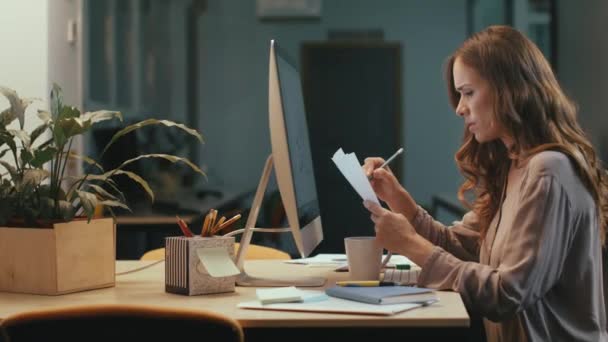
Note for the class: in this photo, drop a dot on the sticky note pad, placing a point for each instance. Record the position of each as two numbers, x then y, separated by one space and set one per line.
288 295
217 261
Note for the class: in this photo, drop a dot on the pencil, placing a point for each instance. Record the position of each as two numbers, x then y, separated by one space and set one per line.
205 224
212 220
219 223
229 222
184 227
399 151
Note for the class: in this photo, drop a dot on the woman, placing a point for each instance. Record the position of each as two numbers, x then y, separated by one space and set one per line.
527 257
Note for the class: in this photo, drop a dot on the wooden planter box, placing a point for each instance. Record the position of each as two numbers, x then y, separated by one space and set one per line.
70 257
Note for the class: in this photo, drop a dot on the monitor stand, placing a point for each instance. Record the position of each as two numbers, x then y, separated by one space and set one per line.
245 279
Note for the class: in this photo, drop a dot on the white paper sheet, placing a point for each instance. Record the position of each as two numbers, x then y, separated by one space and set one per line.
333 305
351 169
217 261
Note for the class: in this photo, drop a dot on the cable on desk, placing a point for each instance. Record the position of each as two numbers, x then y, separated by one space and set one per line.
263 230
140 268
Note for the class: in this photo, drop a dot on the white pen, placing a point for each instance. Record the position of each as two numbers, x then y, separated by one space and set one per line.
399 151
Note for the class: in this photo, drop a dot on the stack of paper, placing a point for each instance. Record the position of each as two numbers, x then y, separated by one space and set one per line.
339 262
333 305
402 277
350 167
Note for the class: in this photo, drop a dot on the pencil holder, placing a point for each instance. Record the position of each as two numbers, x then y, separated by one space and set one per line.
200 265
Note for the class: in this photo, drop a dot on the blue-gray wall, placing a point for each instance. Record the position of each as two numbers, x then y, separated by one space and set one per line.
233 88
582 64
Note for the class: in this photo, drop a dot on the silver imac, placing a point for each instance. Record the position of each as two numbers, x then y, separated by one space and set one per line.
291 160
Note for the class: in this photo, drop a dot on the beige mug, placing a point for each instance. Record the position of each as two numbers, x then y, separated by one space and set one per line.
364 257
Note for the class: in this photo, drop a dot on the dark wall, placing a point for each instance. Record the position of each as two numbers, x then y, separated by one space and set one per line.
352 96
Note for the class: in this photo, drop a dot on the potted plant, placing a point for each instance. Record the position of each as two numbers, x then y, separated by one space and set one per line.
50 242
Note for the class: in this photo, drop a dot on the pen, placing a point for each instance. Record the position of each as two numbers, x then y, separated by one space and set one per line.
365 283
399 151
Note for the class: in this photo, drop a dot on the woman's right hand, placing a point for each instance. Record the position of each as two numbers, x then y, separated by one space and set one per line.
388 188
383 181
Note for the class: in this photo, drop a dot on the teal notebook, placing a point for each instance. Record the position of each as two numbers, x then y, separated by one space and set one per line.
384 294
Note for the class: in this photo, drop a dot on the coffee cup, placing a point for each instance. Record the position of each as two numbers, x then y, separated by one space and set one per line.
364 257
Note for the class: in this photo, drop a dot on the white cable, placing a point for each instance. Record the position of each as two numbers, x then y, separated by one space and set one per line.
263 230
140 268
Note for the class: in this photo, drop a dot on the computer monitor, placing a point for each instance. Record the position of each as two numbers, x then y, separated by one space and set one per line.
292 162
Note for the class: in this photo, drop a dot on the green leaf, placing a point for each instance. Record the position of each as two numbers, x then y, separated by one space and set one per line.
8 139
17 105
3 152
142 182
101 115
66 210
58 136
86 159
56 100
47 209
11 170
73 126
33 177
21 135
45 116
43 156
68 112
115 204
89 202
6 117
110 182
26 157
37 132
168 157
101 192
135 177
149 122
7 209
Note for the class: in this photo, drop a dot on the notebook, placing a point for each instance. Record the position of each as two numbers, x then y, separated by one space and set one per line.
384 294
333 305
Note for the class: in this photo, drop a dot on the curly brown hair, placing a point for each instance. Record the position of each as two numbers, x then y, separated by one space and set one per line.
531 106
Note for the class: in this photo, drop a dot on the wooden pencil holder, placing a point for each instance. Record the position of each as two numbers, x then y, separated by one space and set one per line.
186 274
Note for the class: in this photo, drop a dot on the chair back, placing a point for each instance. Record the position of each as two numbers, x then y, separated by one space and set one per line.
120 323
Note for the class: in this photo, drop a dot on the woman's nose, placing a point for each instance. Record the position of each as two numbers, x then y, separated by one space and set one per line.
460 109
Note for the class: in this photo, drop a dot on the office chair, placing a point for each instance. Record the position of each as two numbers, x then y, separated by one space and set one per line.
254 252
120 323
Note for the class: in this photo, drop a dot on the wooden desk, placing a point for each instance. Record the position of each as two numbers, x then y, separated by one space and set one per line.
447 317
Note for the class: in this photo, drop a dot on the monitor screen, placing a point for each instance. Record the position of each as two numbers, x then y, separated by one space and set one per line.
296 129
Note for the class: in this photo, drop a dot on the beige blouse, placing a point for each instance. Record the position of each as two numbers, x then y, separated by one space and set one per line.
538 275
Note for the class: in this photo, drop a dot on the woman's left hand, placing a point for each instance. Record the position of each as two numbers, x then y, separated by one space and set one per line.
396 234
393 231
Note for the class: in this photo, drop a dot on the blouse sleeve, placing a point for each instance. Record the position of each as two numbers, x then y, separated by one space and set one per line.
531 262
461 239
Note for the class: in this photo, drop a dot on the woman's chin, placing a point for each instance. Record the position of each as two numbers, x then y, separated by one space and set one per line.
480 138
